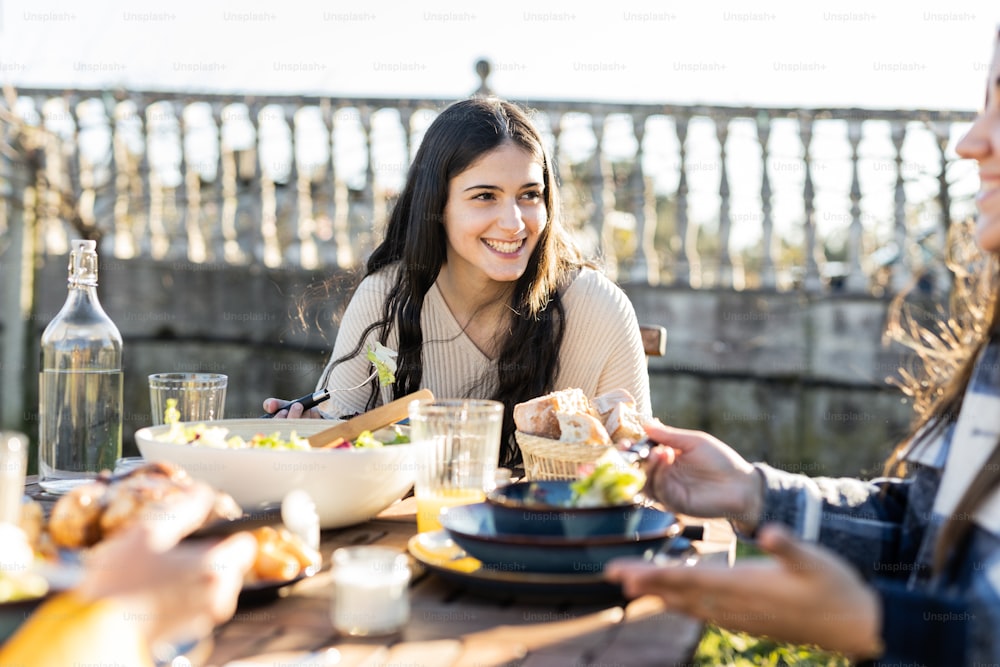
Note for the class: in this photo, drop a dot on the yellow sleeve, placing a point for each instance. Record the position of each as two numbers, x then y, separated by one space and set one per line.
68 630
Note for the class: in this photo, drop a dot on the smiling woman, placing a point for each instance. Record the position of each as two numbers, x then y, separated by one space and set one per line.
478 284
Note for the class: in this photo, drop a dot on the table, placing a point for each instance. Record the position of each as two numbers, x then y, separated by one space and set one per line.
453 627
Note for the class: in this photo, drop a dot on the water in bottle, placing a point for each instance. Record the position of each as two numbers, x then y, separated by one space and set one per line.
80 384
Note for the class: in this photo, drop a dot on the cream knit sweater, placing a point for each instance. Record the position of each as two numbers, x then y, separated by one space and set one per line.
601 350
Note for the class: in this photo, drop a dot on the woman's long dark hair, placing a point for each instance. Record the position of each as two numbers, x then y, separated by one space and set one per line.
415 241
946 357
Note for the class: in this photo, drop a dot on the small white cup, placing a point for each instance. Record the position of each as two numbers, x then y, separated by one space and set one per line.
370 591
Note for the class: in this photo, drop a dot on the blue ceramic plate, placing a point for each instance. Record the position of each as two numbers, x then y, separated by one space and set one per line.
439 554
473 528
544 508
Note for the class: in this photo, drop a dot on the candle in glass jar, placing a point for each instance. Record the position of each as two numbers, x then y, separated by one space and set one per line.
370 590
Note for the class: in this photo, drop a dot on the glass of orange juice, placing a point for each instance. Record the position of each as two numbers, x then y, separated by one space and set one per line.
457 445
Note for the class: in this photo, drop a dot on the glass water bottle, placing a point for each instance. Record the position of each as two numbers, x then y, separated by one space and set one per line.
80 384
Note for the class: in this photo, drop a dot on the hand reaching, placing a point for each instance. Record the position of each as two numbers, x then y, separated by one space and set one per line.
280 409
175 592
697 474
804 594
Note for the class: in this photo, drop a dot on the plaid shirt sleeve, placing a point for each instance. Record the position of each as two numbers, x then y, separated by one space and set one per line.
861 521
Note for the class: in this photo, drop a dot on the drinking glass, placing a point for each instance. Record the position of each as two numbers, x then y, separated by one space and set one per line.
457 445
200 396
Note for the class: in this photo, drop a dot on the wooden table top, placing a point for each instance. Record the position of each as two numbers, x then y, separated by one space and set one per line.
455 625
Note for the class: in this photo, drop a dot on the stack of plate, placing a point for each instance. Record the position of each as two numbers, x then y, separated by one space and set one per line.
475 528
527 539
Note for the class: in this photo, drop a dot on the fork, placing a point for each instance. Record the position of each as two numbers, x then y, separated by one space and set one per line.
638 451
317 397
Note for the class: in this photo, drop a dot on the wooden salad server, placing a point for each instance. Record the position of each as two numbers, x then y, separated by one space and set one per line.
372 420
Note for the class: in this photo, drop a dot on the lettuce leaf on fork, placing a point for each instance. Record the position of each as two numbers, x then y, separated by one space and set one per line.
613 481
384 360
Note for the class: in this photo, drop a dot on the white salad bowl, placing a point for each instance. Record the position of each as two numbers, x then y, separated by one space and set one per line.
348 485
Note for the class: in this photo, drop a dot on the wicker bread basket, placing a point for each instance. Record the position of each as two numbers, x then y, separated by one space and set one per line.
545 458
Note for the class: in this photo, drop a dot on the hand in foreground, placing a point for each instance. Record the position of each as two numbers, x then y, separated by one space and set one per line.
699 475
280 409
805 594
173 592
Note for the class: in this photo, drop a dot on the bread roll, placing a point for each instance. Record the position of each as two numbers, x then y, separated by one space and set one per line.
607 402
76 517
581 427
624 423
137 497
538 416
95 510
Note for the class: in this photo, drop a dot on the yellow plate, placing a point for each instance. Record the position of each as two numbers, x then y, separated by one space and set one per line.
439 554
435 549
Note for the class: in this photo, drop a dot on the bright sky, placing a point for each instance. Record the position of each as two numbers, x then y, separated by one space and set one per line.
826 53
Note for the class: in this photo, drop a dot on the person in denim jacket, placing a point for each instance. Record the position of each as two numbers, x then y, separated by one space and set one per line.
904 569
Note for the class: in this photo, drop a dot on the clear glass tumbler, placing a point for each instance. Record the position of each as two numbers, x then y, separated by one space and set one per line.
457 446
200 396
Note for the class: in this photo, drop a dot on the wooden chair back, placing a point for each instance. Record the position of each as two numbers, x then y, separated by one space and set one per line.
654 339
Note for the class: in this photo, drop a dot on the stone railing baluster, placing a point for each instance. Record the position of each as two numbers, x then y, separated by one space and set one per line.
855 280
163 153
646 265
312 155
238 140
768 280
93 142
275 151
58 148
289 214
899 275
128 151
325 192
941 136
603 195
555 127
342 236
405 123
724 271
363 213
381 174
687 269
201 168
811 279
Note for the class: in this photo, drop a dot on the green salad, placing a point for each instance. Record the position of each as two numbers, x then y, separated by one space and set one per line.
218 437
203 435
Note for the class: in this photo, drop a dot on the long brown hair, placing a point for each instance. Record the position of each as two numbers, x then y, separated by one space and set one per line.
945 356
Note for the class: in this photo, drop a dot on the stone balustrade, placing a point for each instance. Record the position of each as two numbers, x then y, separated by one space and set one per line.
698 196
